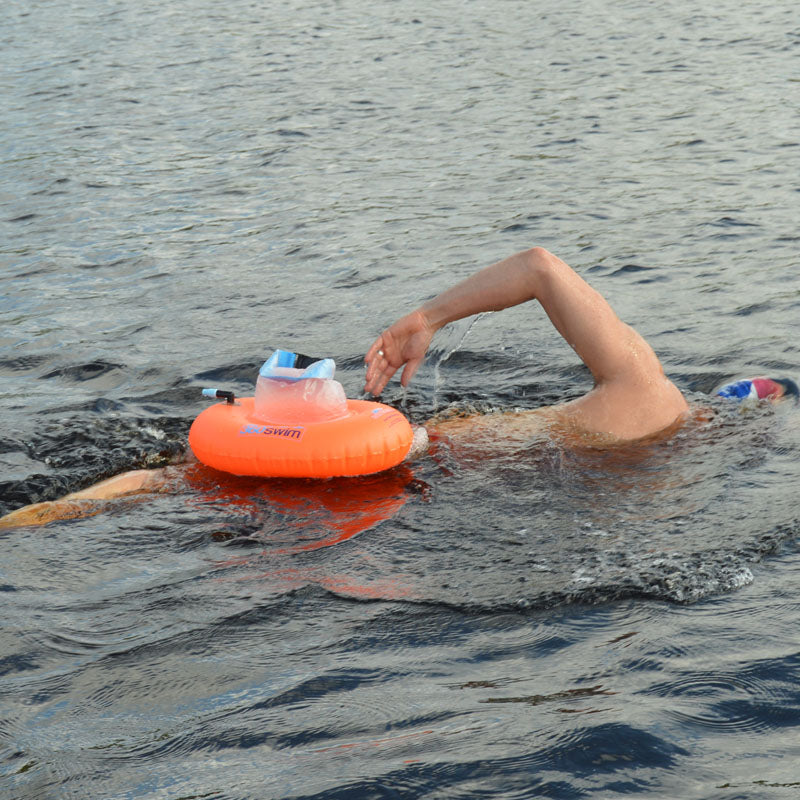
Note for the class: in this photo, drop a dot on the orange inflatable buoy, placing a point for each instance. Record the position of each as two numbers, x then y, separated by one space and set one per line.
299 425
370 438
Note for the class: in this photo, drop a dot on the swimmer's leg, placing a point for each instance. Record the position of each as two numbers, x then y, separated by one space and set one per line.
138 480
84 503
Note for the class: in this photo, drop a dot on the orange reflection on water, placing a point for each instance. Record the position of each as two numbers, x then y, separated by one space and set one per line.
311 514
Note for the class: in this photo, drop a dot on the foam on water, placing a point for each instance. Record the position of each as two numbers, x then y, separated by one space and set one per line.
679 519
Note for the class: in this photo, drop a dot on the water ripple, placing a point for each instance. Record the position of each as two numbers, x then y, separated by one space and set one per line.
186 188
733 701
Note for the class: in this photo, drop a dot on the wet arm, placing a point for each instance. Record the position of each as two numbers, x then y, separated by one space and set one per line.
608 347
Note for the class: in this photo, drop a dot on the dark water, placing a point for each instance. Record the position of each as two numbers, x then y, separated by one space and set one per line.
186 187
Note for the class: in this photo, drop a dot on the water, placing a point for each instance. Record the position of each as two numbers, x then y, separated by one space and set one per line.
185 188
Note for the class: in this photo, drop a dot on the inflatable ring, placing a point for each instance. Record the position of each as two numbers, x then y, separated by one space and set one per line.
369 438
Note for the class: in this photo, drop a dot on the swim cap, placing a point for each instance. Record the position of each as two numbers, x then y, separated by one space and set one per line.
760 389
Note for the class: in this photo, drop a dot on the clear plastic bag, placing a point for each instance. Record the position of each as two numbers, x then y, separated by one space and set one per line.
287 394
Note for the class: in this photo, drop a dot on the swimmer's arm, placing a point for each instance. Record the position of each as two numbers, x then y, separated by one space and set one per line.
580 314
499 286
629 379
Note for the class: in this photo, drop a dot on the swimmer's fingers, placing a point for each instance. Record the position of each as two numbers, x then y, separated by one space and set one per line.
371 361
373 350
379 368
410 370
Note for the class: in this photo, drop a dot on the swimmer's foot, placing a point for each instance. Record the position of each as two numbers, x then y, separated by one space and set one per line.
42 513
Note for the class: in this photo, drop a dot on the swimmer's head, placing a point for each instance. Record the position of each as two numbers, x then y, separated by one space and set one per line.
771 389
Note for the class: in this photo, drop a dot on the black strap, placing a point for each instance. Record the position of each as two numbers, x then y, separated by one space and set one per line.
301 361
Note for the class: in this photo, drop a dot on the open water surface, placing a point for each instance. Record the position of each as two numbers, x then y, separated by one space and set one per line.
185 187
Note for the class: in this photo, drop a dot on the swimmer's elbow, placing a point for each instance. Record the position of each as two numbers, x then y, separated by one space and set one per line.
539 254
538 259
540 265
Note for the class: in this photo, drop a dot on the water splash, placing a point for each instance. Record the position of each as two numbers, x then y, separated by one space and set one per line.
457 336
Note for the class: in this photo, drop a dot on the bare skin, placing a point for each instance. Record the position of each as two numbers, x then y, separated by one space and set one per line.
631 398
81 504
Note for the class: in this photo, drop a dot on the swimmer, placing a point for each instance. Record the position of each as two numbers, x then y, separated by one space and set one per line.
631 398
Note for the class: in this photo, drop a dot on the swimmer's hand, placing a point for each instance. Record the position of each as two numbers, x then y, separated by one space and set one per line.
404 343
